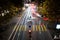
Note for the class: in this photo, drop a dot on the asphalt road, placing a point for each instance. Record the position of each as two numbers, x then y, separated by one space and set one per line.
36 34
38 31
6 29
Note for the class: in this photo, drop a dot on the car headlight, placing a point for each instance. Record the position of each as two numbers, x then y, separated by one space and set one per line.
23 8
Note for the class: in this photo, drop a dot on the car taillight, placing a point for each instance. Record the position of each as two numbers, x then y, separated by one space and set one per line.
29 31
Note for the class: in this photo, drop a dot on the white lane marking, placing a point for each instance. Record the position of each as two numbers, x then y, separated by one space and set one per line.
13 30
15 26
19 31
15 33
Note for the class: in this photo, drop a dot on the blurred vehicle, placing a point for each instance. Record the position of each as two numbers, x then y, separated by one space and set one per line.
29 26
26 5
29 23
30 34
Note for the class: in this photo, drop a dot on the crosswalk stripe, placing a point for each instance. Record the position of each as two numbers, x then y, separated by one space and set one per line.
23 28
45 28
36 28
20 28
39 28
33 28
42 28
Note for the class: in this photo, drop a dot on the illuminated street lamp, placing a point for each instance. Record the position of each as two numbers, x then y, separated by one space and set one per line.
2 14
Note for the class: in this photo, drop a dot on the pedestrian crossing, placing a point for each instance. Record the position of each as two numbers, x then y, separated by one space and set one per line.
33 28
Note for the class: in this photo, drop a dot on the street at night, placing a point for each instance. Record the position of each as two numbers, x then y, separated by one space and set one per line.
29 20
